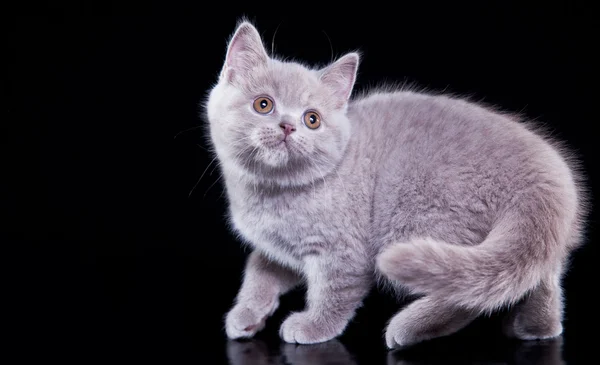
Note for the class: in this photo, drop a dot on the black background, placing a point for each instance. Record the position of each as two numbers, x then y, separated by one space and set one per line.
115 256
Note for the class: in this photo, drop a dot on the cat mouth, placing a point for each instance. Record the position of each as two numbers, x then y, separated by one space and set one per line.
283 143
279 144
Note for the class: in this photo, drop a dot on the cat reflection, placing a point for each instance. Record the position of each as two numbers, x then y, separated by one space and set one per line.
546 352
256 352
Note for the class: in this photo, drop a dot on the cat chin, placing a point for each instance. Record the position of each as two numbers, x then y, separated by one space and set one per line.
274 160
274 156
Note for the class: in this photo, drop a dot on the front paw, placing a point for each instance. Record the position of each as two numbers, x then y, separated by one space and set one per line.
244 320
301 328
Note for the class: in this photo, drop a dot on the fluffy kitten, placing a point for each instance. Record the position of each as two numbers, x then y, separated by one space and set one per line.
459 204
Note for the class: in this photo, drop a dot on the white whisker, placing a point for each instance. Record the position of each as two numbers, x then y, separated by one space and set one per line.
213 184
187 130
201 176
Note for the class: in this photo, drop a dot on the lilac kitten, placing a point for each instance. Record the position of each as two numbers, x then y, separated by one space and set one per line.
462 205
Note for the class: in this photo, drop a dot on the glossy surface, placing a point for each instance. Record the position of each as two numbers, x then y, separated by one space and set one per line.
166 306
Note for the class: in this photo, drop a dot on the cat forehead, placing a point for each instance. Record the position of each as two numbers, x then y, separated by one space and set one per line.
290 83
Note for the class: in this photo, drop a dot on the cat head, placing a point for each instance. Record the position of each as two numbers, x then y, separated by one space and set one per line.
277 122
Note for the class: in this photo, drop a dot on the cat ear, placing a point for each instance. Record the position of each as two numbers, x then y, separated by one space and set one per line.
341 75
244 52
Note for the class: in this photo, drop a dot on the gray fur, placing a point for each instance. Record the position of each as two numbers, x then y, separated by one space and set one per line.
435 194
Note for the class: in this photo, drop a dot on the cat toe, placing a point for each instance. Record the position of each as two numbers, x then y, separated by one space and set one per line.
398 340
299 328
243 323
398 336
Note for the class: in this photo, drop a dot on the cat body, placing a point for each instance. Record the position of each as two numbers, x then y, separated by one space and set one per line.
452 201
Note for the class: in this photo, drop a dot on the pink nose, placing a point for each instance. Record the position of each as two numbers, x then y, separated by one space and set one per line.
287 128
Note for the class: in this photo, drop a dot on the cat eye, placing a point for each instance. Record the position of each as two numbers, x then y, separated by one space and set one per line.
263 105
312 119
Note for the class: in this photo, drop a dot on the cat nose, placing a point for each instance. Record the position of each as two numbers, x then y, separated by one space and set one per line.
287 128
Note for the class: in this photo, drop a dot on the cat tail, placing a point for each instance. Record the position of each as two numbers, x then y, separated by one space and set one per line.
521 249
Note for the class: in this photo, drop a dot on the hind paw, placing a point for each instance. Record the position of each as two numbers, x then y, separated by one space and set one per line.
532 327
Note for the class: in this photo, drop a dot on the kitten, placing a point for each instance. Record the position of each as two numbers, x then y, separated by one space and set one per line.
463 206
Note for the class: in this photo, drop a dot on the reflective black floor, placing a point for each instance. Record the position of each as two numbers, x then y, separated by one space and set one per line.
169 307
257 352
208 346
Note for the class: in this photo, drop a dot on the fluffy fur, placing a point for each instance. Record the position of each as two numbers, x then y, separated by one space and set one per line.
460 204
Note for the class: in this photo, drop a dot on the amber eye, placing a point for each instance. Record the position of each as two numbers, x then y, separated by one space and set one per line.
312 119
263 105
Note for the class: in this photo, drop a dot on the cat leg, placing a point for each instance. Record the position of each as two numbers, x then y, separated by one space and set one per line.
425 319
539 314
335 290
264 281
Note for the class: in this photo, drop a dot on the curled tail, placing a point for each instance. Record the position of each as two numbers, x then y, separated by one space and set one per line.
524 247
